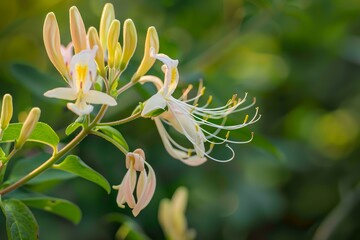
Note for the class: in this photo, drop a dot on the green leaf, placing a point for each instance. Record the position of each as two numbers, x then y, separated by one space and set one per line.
51 176
72 127
34 80
114 134
57 206
20 222
73 164
42 133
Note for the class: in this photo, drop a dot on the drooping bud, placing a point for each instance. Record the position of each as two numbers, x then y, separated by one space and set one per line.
107 16
6 112
51 35
28 126
129 42
99 57
112 40
151 42
77 30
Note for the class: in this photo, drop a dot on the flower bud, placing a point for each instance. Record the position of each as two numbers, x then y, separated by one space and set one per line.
51 35
129 42
28 126
77 30
118 54
112 40
151 42
6 112
107 16
99 57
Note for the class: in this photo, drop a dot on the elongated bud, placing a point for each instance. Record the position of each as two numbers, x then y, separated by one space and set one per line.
77 30
28 126
6 112
152 41
112 40
99 57
118 54
129 42
107 16
51 35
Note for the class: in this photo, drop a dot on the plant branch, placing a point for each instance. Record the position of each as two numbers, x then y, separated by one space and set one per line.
121 121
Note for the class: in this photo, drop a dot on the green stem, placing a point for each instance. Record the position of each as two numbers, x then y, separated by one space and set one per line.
56 156
125 87
121 121
109 139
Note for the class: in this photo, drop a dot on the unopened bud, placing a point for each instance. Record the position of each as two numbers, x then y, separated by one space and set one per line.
129 42
77 30
6 112
112 40
151 42
28 126
95 41
107 16
118 54
51 35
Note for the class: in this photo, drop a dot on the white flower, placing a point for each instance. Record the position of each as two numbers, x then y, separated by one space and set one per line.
82 74
145 184
190 119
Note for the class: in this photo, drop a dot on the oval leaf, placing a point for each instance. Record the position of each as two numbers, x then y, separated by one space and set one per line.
57 206
75 165
72 127
23 166
114 134
20 222
42 133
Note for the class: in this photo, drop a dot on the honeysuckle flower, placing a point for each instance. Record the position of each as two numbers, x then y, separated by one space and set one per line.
82 74
189 119
67 53
145 183
172 216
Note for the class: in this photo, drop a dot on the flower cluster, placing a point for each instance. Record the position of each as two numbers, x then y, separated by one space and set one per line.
92 64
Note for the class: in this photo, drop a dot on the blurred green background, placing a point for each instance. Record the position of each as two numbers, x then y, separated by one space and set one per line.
298 179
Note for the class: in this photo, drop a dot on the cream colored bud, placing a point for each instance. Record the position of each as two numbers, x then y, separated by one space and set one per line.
152 41
118 54
6 111
51 35
28 126
99 57
112 40
77 30
129 43
107 16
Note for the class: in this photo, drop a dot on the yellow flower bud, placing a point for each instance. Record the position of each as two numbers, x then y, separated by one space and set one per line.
6 112
152 41
77 30
112 40
99 57
28 126
107 16
118 54
51 35
129 42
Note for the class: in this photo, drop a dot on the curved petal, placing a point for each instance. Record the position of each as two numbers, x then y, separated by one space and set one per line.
175 153
79 109
156 102
96 97
61 93
147 194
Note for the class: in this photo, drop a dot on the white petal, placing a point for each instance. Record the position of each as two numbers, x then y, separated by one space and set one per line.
97 97
156 102
175 153
80 110
61 93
